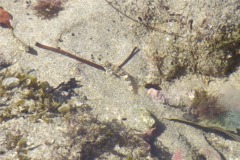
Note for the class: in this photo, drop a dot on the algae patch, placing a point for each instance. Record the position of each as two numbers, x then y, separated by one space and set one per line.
207 112
23 95
207 51
94 139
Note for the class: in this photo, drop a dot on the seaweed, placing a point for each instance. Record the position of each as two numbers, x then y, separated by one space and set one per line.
48 9
17 142
22 94
205 106
95 139
209 126
207 112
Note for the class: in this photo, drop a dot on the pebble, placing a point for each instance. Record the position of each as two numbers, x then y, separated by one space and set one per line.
10 82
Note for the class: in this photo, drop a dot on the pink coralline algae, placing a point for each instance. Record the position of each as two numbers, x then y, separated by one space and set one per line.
157 95
178 155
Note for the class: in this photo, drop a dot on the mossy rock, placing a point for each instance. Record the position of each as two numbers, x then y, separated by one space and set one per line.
214 55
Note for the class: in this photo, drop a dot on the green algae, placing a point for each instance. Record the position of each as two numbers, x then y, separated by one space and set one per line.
229 39
221 124
28 98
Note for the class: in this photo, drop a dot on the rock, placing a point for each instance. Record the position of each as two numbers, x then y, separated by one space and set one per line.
64 109
10 82
142 120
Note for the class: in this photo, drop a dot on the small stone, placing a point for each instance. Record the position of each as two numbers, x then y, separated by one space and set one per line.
157 95
64 109
10 82
142 120
28 81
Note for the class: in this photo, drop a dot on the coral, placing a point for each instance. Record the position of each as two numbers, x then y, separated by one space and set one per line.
178 155
48 9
